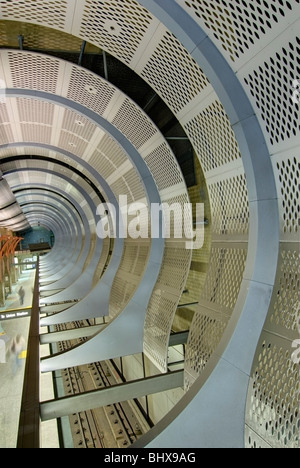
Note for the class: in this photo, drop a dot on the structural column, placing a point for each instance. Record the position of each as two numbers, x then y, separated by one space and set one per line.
7 276
2 286
13 270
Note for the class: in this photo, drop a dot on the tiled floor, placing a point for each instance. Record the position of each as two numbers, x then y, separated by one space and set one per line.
12 363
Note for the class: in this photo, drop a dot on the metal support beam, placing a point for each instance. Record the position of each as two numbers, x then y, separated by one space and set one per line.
55 409
21 41
66 335
145 108
189 304
179 338
179 138
105 65
82 52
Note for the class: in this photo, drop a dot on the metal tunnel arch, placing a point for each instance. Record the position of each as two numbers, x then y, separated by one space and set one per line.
222 386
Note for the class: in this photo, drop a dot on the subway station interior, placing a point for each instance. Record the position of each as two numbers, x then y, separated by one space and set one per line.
116 332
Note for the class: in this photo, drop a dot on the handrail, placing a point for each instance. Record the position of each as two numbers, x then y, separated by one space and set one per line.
29 426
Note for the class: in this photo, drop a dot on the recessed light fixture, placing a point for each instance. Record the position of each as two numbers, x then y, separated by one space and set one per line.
112 27
91 89
79 123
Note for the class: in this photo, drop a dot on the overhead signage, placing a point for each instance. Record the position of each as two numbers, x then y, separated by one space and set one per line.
15 314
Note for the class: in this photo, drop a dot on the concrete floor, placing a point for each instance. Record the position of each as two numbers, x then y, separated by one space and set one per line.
12 364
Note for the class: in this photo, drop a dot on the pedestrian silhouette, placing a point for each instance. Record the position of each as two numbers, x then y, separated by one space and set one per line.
15 352
21 295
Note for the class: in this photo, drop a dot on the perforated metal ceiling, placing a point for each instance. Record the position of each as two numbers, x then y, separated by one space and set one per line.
226 72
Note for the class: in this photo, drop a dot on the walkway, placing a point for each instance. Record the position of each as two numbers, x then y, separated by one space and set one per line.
14 328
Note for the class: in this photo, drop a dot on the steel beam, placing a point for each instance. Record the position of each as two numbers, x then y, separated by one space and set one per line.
74 334
55 409
179 338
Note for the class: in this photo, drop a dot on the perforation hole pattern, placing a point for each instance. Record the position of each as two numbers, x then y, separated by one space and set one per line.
102 261
271 87
48 12
274 396
89 91
43 74
102 163
128 277
31 110
213 137
177 217
3 112
230 206
111 151
288 173
6 135
157 161
170 64
286 309
239 25
134 184
118 26
72 143
218 298
205 334
134 124
163 304
78 125
272 414
37 133
225 276
157 328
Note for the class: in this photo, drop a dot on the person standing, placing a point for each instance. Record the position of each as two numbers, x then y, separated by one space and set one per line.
21 295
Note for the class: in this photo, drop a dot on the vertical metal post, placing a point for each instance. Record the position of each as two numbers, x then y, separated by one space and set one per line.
105 65
81 53
21 41
146 396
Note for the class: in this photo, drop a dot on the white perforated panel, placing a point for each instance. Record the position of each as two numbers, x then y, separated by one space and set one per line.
6 135
129 274
229 205
53 13
169 65
163 304
261 42
213 137
37 133
35 111
218 298
287 172
31 71
284 315
270 84
86 88
274 396
160 159
129 119
118 26
239 27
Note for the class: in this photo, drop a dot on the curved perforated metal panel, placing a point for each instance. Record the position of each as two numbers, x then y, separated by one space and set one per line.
84 139
260 41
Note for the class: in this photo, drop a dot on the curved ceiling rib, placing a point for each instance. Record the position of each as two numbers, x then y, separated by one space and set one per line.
213 74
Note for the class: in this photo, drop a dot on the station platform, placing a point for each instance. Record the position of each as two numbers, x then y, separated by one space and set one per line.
14 330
